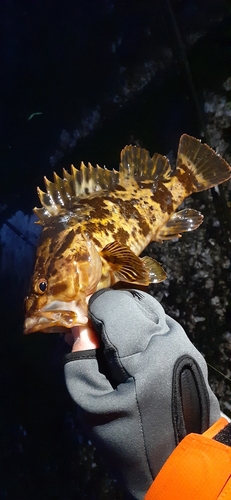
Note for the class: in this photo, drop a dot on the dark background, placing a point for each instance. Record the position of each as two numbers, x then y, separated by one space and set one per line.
102 74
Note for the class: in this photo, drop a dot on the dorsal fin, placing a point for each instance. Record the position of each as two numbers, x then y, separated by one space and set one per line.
137 164
65 192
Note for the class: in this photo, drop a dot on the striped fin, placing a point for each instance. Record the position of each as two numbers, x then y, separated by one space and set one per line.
137 164
63 193
90 179
199 167
130 268
125 264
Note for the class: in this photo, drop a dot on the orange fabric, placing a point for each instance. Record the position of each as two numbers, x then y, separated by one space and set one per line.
198 469
215 428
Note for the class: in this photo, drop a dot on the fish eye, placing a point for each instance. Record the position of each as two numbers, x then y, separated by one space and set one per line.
41 286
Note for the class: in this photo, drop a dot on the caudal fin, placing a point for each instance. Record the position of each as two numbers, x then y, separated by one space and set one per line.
198 166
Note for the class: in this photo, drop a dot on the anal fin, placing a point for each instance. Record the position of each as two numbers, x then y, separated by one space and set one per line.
129 268
181 222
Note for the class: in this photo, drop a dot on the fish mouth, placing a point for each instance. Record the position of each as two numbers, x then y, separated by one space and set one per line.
55 319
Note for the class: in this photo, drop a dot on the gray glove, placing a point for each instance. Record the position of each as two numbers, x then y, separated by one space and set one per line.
143 390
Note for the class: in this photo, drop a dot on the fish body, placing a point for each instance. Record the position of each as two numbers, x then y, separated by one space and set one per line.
97 222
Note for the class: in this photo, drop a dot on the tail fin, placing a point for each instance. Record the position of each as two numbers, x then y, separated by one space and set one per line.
198 166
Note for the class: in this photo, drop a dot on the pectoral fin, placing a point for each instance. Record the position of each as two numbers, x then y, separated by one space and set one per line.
129 268
181 222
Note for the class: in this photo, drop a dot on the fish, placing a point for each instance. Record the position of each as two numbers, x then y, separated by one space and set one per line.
96 223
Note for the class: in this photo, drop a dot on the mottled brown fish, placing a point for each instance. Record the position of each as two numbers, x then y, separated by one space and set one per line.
97 222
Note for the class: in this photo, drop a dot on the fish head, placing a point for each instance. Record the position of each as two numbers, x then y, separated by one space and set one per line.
67 271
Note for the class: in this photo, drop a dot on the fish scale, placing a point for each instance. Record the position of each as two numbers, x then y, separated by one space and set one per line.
97 222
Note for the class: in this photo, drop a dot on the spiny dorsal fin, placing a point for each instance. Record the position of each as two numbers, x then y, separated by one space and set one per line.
198 167
63 193
88 180
137 164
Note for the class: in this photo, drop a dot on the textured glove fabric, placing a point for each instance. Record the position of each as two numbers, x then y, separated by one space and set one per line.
143 390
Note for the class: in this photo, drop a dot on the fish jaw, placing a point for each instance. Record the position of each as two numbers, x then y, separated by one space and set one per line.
58 317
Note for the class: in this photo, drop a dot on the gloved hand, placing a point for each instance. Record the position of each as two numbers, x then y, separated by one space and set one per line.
142 390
